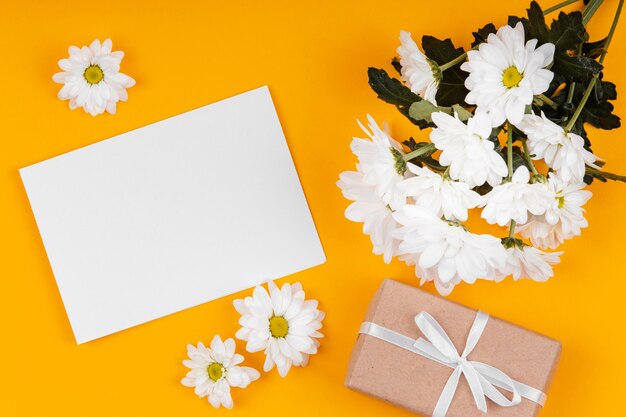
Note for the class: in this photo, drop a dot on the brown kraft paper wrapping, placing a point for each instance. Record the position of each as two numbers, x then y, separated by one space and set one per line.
409 380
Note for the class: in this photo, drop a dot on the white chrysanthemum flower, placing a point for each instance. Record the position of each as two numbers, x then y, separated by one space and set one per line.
445 252
215 370
421 74
515 199
369 208
439 194
380 161
523 261
564 217
505 73
92 78
467 150
563 152
281 323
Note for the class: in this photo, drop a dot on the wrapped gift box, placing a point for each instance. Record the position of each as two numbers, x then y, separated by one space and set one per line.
415 382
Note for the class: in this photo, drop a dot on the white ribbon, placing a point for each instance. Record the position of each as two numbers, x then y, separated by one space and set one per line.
481 378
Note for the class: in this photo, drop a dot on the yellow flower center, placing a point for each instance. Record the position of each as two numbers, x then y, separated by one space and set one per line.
216 371
561 201
93 74
279 327
511 77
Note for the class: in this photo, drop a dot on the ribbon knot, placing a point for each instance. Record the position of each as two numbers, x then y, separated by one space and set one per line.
483 380
480 377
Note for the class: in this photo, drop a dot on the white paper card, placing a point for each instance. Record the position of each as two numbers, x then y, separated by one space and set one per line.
172 215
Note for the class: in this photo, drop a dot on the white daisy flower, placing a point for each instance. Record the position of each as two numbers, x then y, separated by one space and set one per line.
563 219
381 162
524 261
215 370
421 74
515 199
92 78
562 151
369 208
505 74
281 323
444 251
439 194
467 150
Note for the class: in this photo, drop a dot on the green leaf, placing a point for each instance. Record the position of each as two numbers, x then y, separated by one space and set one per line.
463 114
594 49
392 91
395 63
575 68
452 86
421 110
597 111
425 159
481 34
535 27
568 31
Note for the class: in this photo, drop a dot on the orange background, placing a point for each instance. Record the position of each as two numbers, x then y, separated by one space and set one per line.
314 56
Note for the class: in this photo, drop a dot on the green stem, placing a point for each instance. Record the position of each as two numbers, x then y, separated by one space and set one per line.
547 100
590 10
452 63
419 152
604 174
609 37
558 6
509 149
512 230
595 77
582 103
528 159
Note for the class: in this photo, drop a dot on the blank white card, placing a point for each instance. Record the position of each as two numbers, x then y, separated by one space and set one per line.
172 215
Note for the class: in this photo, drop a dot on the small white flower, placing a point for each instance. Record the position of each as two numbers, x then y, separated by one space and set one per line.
92 79
369 208
505 74
564 217
523 261
421 74
467 150
281 323
215 370
515 199
445 252
380 160
441 195
563 152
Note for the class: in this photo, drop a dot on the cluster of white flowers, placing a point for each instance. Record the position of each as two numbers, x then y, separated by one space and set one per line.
278 321
415 213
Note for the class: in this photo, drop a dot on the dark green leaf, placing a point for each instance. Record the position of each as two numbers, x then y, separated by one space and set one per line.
576 68
535 26
601 116
452 87
568 31
481 34
594 49
395 63
392 91
597 111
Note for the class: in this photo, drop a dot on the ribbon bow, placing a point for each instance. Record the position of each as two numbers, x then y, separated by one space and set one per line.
481 378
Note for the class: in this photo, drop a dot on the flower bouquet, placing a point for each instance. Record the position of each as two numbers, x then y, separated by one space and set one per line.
508 136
